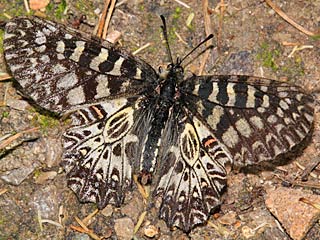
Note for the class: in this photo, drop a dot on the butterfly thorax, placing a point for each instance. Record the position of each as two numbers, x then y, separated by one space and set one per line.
168 88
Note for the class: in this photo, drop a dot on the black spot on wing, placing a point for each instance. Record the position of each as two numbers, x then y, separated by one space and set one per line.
223 125
241 90
70 45
84 59
128 68
222 95
205 89
108 65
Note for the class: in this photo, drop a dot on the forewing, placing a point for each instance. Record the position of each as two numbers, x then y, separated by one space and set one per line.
254 119
62 69
101 148
192 173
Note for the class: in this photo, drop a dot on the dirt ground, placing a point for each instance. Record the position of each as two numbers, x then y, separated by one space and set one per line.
249 38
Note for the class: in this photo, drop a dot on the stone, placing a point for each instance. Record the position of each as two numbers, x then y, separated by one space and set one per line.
294 215
124 228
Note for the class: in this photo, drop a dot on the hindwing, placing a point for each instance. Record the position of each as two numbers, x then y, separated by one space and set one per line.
192 174
100 151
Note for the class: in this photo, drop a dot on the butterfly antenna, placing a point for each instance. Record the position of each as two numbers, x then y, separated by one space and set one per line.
203 41
165 35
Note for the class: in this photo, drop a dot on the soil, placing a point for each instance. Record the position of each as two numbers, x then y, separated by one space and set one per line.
249 38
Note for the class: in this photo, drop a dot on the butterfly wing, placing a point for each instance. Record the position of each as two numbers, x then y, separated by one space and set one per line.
254 119
62 69
238 119
103 148
192 174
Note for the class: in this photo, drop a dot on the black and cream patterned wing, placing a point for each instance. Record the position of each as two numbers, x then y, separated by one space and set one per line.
254 119
100 150
192 174
62 69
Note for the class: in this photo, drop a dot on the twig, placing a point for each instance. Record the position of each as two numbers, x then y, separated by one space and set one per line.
314 204
303 168
60 217
51 222
16 136
289 20
82 224
297 48
4 77
84 229
182 3
219 37
106 24
7 15
40 220
141 48
180 38
89 217
299 183
208 30
26 5
315 162
285 43
207 21
103 18
121 3
305 184
140 221
78 229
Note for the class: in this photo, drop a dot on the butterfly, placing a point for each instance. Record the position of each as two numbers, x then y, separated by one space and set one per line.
175 132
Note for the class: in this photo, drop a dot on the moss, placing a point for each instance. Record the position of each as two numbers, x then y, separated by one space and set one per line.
56 10
5 114
60 9
177 13
268 55
45 121
316 37
141 7
36 173
85 7
293 67
13 9
50 7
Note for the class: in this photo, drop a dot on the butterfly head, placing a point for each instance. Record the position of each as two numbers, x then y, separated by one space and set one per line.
173 70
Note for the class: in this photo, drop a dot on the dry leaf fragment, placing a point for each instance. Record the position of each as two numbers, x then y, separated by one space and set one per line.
38 4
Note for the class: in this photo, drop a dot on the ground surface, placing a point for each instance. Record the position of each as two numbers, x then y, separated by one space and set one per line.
252 39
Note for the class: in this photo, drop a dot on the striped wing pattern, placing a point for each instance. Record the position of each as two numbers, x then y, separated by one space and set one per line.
254 119
85 72
176 134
